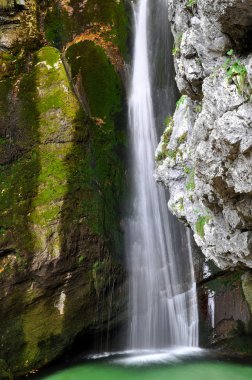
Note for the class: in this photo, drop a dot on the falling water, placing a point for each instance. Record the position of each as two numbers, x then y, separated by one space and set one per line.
162 288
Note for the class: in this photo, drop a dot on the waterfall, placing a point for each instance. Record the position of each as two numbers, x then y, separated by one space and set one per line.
162 288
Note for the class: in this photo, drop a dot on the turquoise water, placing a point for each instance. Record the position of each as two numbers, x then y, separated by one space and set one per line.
160 370
193 371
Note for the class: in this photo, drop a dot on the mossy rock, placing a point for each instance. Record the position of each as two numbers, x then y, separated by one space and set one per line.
60 153
226 282
33 185
61 182
60 198
62 23
102 86
247 288
104 99
4 371
6 4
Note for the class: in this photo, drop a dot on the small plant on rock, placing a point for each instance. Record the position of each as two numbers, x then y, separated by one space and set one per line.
198 108
230 52
191 3
161 155
181 204
190 184
237 73
169 124
166 153
176 51
181 139
176 47
200 224
180 101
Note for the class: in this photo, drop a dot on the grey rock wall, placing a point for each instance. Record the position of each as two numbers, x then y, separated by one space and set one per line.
205 155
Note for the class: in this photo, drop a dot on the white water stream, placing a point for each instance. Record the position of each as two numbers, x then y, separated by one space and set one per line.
162 289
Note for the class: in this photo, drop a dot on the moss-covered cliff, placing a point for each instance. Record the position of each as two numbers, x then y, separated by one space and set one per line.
62 138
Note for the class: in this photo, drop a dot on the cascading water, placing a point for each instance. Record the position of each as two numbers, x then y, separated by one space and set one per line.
162 288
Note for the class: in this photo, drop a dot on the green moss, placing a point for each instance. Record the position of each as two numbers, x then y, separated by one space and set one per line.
19 180
61 26
57 24
190 183
200 224
176 51
50 56
81 259
181 139
166 153
176 47
95 184
112 13
161 156
38 340
180 204
181 101
191 3
6 3
33 186
187 169
171 153
198 108
5 91
12 63
11 329
169 124
101 83
6 56
53 101
4 371
100 172
98 271
18 184
65 174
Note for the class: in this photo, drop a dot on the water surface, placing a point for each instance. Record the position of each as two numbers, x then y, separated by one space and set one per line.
159 366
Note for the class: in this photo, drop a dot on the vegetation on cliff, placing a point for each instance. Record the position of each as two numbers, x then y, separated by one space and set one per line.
62 139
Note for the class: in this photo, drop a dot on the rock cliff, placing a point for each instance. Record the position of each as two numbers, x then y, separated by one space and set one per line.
62 140
205 154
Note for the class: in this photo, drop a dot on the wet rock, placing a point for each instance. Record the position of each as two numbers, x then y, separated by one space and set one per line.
224 311
62 177
4 371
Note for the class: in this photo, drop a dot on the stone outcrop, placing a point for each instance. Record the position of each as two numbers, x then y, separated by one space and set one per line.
62 174
204 157
224 306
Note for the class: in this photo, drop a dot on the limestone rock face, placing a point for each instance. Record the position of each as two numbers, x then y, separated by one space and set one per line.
61 176
206 161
